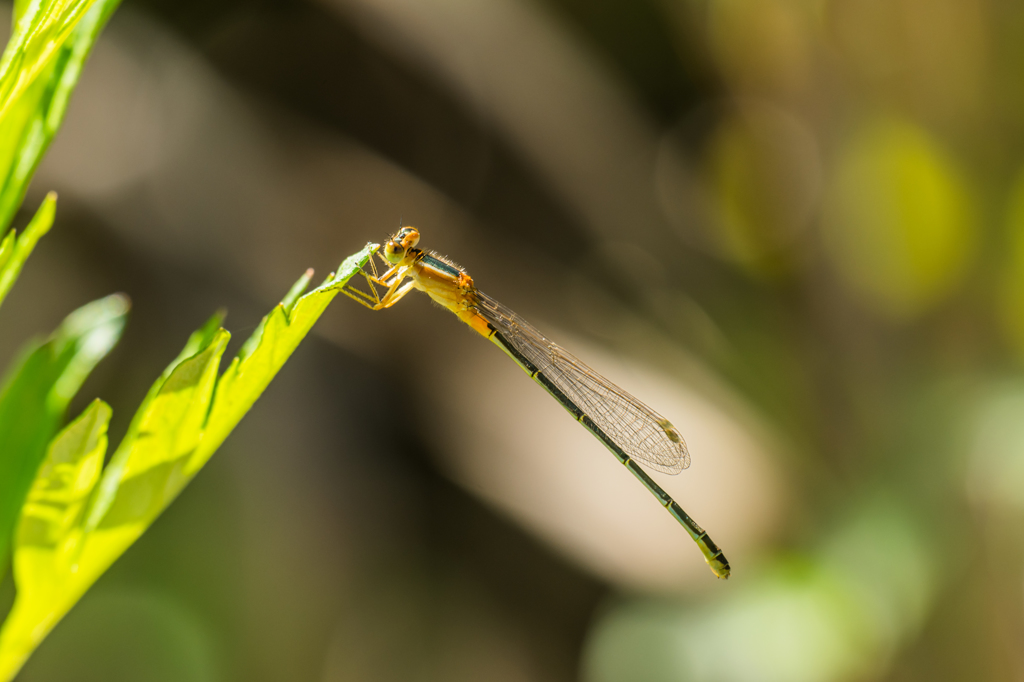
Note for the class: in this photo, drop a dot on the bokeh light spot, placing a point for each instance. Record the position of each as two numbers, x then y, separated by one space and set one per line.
898 221
765 175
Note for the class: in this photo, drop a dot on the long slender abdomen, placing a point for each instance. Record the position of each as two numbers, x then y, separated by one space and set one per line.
712 554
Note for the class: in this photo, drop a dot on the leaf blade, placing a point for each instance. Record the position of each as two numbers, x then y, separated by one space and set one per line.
31 124
15 250
181 422
279 334
36 393
50 531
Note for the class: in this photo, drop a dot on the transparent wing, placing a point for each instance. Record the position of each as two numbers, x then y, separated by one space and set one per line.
641 432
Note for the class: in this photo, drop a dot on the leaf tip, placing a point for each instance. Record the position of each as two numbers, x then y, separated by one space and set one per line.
120 303
100 408
292 297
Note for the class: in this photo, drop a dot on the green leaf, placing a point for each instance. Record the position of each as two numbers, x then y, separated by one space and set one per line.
288 302
28 126
185 416
40 30
145 473
279 333
14 251
36 392
50 532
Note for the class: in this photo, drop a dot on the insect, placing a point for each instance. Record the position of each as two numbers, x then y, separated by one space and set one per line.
631 430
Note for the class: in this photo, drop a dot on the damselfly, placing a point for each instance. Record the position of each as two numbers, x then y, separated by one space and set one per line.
631 430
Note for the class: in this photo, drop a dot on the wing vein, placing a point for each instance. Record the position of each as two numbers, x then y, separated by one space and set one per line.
642 433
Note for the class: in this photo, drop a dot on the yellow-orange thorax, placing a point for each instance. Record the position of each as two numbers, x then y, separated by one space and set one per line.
450 286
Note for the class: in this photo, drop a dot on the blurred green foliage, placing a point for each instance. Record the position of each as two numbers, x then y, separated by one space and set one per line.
38 71
902 227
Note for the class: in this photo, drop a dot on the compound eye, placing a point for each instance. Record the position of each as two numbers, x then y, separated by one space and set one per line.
409 236
394 252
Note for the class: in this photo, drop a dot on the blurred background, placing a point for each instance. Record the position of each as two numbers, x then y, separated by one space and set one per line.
794 227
